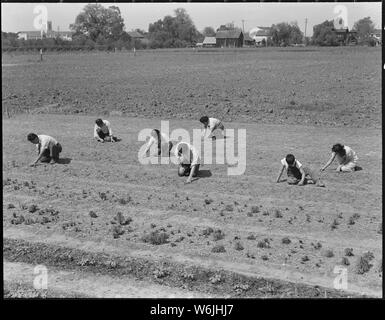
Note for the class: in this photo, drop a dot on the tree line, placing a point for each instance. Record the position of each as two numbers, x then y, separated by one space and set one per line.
100 28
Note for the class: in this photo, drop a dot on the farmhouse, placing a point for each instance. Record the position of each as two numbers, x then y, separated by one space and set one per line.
260 35
229 38
135 35
209 42
345 37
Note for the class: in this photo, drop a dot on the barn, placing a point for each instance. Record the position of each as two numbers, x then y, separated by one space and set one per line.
229 38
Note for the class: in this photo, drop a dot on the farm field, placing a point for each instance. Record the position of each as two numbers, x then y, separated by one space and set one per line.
313 86
221 236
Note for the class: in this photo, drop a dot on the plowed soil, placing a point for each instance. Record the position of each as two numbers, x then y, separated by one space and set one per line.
276 238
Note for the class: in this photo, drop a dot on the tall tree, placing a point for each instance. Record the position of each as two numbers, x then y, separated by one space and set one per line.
173 31
323 34
98 22
209 32
286 33
364 27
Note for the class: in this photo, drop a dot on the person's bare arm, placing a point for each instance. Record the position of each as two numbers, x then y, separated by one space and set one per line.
280 173
149 144
329 161
192 172
41 152
303 174
110 132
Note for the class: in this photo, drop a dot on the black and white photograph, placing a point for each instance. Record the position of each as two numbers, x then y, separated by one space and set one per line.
191 150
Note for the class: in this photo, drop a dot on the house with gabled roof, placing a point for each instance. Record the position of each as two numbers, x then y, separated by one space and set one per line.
229 38
260 34
209 42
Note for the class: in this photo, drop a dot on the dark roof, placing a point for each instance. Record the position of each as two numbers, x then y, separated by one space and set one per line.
228 34
135 34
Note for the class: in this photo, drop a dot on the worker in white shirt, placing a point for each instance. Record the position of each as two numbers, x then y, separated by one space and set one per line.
161 140
346 158
103 132
48 148
188 159
211 124
297 173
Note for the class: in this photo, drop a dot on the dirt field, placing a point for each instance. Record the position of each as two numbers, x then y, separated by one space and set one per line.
278 240
313 86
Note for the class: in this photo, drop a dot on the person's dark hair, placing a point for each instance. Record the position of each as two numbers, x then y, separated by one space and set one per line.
339 148
290 159
159 139
31 136
204 119
99 122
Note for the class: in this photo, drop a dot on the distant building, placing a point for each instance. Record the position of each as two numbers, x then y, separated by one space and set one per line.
345 37
209 42
30 35
229 38
135 35
260 35
49 33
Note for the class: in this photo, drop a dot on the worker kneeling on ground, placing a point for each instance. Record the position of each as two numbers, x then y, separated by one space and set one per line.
103 132
162 142
47 147
346 158
297 174
188 160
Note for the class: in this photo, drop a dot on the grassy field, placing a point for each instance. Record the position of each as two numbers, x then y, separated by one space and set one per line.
228 236
315 86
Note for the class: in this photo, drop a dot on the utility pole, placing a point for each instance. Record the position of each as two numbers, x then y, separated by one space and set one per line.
305 29
243 30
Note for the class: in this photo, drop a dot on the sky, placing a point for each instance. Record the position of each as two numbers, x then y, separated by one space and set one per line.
20 16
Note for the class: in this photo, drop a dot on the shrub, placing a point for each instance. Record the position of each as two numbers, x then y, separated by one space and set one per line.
218 235
238 246
32 208
208 201
255 209
362 265
117 231
263 244
349 252
93 214
286 240
155 237
328 253
251 237
368 256
277 213
218 249
207 231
